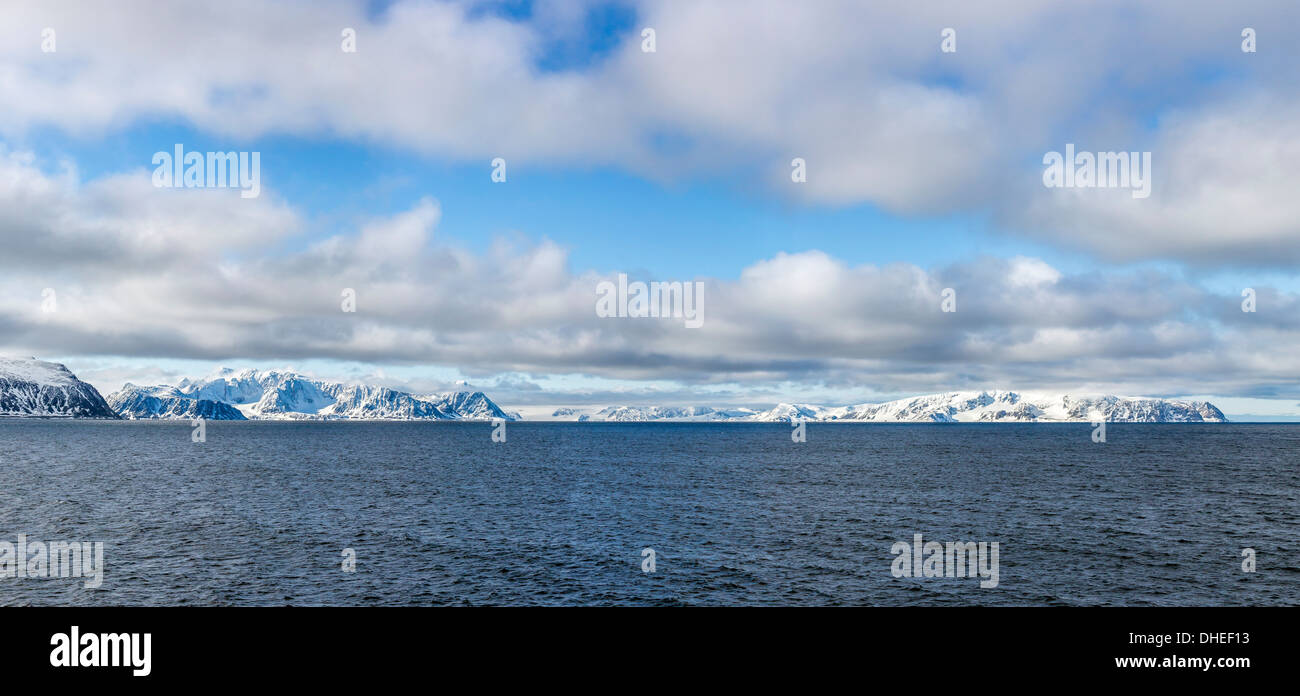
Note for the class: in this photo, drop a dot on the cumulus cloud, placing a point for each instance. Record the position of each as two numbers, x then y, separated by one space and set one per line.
1223 192
859 90
53 221
220 295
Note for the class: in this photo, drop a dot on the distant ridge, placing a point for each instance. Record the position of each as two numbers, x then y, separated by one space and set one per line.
951 407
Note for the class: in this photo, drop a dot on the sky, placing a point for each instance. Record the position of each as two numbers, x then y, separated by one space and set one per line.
922 133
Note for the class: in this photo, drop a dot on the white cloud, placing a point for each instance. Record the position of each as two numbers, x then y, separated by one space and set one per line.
860 90
1224 191
806 317
52 221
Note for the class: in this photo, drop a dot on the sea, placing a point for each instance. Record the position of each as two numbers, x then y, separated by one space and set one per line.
685 514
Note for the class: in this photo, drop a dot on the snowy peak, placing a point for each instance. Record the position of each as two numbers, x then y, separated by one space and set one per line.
228 387
359 401
36 371
293 395
469 406
785 412
31 387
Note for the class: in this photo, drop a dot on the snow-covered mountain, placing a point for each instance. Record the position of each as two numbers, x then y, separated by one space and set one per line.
652 413
952 407
31 387
165 403
469 405
283 395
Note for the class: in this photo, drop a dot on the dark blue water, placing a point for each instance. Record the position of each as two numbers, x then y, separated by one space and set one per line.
438 513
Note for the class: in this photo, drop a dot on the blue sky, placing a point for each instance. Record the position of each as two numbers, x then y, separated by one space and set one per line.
608 219
924 172
713 226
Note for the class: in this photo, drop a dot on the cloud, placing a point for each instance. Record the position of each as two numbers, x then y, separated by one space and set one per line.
121 222
804 318
861 91
1223 193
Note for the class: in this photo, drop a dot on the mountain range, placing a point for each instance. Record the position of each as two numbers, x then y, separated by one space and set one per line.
30 387
952 407
284 395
